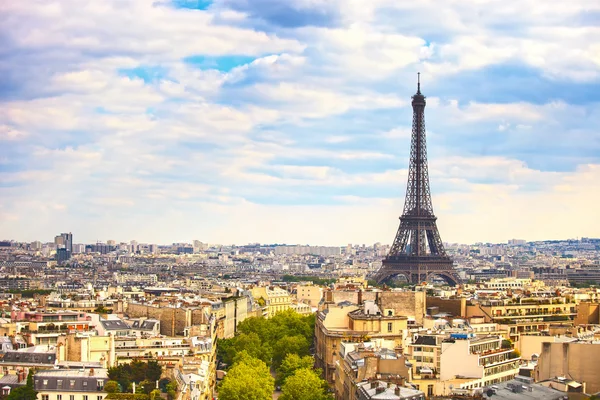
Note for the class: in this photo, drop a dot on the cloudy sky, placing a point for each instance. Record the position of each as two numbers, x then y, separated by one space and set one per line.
236 121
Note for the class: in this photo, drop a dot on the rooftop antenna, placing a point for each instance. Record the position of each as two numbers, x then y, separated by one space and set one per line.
418 83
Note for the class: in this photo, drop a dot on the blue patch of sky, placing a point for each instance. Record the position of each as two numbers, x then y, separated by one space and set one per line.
509 83
587 18
148 73
192 4
222 63
101 110
283 13
13 166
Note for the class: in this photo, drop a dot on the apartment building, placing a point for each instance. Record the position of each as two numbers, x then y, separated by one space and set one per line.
481 360
309 294
524 316
44 328
378 359
347 322
276 299
71 384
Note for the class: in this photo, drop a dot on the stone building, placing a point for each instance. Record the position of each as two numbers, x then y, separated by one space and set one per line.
378 359
346 322
576 360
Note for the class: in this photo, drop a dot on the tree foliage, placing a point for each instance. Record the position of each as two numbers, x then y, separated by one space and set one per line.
247 379
22 393
136 371
305 384
264 338
290 345
112 387
290 364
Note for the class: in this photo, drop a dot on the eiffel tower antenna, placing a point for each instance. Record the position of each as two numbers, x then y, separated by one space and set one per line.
418 252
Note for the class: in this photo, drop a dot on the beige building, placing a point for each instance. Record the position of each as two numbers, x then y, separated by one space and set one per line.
236 310
351 323
576 360
276 299
70 384
527 316
588 313
309 294
482 360
87 348
360 362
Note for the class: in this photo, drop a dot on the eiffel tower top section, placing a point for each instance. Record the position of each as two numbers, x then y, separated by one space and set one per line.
418 195
418 235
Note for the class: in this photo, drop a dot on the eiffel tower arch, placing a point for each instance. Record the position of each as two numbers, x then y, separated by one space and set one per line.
418 253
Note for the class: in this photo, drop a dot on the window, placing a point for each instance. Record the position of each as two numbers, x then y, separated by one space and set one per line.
45 382
72 383
85 383
72 397
59 382
85 397
45 397
99 398
59 397
390 326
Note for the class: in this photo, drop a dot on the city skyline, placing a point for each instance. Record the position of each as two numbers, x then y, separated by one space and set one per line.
242 122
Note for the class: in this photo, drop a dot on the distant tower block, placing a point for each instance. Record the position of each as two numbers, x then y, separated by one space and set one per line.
418 252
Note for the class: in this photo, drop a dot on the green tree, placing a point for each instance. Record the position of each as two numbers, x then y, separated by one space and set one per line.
248 379
290 345
22 393
250 342
171 389
147 386
155 394
305 384
290 364
136 371
112 387
153 371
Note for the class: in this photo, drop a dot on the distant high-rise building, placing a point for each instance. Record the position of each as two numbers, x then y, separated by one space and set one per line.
517 242
62 255
59 241
64 246
78 248
36 245
133 246
111 242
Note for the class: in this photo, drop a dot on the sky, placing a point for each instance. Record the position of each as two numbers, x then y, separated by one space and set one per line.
237 121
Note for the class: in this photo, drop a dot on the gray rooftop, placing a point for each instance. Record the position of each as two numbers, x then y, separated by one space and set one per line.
27 358
518 390
114 325
70 380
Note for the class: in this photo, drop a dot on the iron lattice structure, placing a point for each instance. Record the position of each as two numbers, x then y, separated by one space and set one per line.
418 251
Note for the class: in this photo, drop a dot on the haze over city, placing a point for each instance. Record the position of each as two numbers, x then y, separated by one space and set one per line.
289 122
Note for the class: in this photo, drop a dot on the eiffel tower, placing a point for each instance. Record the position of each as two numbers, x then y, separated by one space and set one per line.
418 252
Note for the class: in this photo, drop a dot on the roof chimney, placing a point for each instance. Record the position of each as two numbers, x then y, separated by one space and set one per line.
91 371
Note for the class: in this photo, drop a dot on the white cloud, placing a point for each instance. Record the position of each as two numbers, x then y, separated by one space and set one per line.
204 145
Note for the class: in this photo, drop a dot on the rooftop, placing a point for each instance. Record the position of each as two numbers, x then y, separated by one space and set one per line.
519 390
71 373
